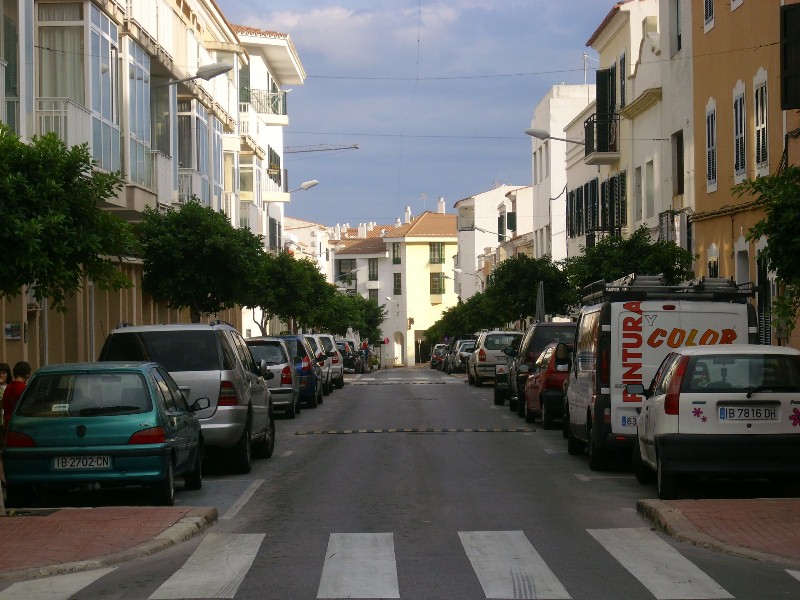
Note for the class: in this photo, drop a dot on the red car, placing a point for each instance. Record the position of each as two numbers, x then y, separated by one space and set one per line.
544 386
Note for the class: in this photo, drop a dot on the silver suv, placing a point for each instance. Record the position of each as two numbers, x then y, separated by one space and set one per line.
337 360
284 387
209 360
324 360
488 353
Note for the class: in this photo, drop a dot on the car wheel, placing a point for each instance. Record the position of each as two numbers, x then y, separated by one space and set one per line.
266 446
470 380
642 472
291 411
242 457
340 382
522 407
547 416
666 481
19 496
565 422
499 397
193 480
478 381
164 490
575 447
512 403
598 457
529 415
326 387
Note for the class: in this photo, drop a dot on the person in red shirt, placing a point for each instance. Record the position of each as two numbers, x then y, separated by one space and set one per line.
21 373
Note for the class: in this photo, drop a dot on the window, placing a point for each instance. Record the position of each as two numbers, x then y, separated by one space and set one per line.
678 27
344 267
139 114
373 296
105 103
677 164
398 284
511 221
372 265
622 77
739 162
708 14
437 283
638 195
649 189
711 149
790 56
436 251
395 253
61 51
760 124
501 227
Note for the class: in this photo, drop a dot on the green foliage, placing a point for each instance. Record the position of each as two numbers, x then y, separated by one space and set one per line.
195 259
778 195
53 231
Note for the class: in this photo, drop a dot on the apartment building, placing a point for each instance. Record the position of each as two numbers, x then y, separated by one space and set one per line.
153 87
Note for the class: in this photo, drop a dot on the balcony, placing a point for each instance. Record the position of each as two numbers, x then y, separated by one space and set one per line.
161 177
71 122
601 132
193 183
270 105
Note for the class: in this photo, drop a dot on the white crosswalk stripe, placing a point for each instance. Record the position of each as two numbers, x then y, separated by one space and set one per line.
58 587
359 565
508 566
196 578
657 565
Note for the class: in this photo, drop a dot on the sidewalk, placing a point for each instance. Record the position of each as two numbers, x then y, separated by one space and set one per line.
42 542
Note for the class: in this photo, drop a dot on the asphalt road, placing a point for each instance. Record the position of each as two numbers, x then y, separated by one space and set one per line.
409 483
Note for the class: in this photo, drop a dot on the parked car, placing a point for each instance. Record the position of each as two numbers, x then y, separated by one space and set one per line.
624 331
353 359
284 386
324 360
307 367
453 356
337 360
461 354
488 353
107 423
543 392
726 410
536 337
209 361
437 356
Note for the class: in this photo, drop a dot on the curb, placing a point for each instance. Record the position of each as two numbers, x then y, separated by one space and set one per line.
186 528
675 524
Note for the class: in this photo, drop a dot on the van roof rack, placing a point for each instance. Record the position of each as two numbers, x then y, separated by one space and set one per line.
651 287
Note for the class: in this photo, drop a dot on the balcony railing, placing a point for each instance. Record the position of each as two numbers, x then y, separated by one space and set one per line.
248 120
601 132
161 177
268 103
71 122
3 91
192 183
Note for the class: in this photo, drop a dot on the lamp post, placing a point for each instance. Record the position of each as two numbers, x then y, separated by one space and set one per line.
541 134
205 72
302 187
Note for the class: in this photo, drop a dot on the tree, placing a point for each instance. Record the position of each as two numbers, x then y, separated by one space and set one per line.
778 195
195 259
54 232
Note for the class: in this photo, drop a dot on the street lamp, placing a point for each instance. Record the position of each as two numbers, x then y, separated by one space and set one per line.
304 186
541 134
205 72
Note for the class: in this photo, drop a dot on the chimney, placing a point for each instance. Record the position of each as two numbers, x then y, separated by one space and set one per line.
408 214
337 232
362 230
440 207
397 223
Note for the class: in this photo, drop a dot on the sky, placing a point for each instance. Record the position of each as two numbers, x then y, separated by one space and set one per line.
436 94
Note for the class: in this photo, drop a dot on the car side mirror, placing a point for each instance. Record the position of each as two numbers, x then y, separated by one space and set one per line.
637 389
200 404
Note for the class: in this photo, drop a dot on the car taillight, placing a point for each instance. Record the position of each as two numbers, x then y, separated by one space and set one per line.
672 398
306 363
286 375
154 435
335 359
227 394
15 439
481 355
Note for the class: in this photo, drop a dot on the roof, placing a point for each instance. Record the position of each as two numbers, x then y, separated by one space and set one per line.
370 245
611 14
427 224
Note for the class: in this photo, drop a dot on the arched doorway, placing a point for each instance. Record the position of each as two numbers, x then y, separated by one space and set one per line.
398 349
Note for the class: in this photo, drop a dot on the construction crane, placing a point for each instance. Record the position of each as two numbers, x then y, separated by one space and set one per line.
318 148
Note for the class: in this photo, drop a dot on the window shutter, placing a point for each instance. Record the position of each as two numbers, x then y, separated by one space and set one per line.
790 56
511 221
622 199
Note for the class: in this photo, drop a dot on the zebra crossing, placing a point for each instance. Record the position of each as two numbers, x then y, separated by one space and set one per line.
364 565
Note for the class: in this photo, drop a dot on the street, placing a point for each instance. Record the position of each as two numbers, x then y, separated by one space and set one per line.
408 483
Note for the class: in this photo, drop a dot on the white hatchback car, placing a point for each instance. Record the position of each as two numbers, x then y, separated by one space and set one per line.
720 411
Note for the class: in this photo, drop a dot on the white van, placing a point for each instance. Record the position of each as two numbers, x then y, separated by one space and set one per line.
624 331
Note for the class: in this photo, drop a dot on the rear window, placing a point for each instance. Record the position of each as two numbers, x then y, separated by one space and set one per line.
85 395
327 343
295 348
270 352
542 336
498 341
742 373
177 351
313 343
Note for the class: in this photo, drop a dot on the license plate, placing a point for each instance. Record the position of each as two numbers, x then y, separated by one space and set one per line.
747 413
82 462
629 421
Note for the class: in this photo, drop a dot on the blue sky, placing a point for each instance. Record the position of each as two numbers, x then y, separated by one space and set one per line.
436 94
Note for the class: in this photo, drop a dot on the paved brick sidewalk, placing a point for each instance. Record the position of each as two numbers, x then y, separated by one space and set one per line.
764 528
44 542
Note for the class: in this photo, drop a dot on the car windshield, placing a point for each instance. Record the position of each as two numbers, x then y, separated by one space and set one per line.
85 395
742 373
270 352
327 343
499 341
175 350
295 347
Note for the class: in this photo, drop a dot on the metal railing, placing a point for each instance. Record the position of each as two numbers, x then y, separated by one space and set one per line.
248 120
601 133
192 183
268 103
71 122
161 177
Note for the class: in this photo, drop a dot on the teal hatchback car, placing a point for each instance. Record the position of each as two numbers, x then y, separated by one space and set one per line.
107 423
